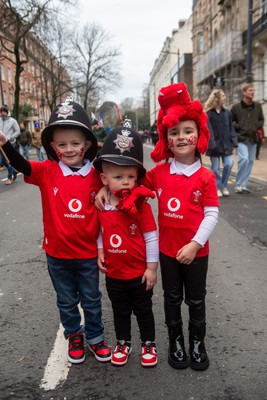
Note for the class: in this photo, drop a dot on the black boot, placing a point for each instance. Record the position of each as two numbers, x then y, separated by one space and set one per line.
177 357
199 359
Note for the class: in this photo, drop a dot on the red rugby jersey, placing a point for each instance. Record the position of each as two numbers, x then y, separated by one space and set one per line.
123 241
69 216
181 202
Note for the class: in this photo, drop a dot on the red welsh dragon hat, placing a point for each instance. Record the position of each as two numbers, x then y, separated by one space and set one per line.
175 106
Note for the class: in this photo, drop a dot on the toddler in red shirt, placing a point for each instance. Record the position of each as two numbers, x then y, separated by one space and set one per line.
128 244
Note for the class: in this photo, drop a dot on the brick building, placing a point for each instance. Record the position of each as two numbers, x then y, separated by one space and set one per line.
43 81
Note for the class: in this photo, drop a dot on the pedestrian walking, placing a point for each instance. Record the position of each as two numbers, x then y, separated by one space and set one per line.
24 141
222 141
187 215
37 142
68 183
247 118
10 128
128 248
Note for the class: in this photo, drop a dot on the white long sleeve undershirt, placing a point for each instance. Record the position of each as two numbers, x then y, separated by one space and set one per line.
207 225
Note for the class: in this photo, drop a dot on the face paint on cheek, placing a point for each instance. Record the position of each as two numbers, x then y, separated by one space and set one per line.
170 143
59 154
192 140
82 151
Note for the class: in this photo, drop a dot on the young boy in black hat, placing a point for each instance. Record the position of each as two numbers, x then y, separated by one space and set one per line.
68 184
128 244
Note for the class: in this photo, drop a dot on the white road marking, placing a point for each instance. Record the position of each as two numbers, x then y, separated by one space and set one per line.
57 367
5 179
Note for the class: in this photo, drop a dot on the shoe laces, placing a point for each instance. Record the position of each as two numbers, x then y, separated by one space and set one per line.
76 342
147 346
101 345
121 345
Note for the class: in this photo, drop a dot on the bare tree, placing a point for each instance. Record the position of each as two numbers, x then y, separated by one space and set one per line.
55 82
96 69
18 18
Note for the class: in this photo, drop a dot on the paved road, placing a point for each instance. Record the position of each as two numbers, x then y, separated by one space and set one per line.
236 309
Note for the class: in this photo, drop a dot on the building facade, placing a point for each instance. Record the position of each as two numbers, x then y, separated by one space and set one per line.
42 78
173 64
221 32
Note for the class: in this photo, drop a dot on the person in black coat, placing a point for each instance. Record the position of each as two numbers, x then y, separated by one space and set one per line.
222 139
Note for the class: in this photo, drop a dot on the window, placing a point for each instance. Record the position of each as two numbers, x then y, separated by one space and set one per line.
200 42
5 96
9 75
263 7
3 72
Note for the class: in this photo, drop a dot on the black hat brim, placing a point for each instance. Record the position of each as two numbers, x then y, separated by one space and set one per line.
47 138
119 160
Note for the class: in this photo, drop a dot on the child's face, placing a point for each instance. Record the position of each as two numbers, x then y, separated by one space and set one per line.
118 177
182 141
70 146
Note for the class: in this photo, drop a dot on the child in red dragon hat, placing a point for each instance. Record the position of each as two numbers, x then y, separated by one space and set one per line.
187 215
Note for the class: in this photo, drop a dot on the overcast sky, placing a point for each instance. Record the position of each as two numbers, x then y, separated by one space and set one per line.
139 28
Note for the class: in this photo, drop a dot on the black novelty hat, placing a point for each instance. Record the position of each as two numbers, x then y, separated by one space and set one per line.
69 114
122 146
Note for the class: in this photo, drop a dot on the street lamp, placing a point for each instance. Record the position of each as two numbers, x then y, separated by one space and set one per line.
1 85
249 42
178 61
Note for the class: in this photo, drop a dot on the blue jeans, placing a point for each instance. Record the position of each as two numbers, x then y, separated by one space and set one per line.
77 281
25 151
10 169
246 157
228 162
40 154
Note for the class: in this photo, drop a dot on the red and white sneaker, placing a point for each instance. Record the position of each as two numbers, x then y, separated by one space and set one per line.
121 353
101 351
76 353
149 357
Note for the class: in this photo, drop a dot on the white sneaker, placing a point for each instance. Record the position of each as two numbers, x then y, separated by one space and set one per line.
219 193
238 189
246 190
225 192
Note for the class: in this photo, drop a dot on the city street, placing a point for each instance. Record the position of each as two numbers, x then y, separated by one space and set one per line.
33 357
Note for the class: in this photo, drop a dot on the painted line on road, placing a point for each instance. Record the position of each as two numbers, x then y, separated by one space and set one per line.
5 179
57 367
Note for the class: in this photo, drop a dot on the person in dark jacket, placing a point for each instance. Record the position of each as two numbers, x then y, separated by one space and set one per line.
247 118
222 139
24 141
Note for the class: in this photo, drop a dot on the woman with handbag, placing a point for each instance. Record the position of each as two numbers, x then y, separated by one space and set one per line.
222 139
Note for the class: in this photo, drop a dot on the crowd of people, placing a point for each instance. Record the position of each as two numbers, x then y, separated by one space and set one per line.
94 186
21 139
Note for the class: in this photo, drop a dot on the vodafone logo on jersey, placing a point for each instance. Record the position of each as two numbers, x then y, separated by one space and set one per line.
115 242
173 204
75 205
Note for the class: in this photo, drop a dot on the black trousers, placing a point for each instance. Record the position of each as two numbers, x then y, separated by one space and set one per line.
127 297
179 281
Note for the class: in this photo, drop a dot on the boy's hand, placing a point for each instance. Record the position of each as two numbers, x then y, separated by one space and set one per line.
150 277
101 198
3 139
101 261
187 253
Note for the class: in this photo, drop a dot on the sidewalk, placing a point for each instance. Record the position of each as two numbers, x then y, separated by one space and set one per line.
259 170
